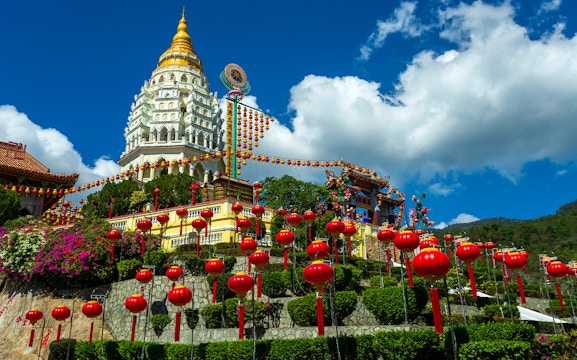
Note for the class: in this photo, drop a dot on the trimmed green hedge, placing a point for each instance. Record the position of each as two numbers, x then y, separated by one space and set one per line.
303 310
386 304
495 349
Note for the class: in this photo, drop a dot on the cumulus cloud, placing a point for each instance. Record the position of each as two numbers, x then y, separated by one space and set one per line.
462 218
51 147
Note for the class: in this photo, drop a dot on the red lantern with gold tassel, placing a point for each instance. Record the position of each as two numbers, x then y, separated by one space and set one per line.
432 265
33 315
241 284
236 209
135 303
310 216
407 241
557 270
214 267
335 227
113 236
259 259
285 238
207 215
60 313
517 261
198 224
469 252
182 214
258 211
318 250
349 231
387 236
319 274
179 296
91 310
249 245
144 276
143 225
156 192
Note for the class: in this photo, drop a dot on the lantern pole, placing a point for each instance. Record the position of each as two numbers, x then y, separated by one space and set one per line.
147 314
332 301
101 298
571 293
451 325
405 307
457 268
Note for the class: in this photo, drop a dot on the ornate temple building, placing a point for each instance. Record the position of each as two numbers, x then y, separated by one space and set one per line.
39 189
174 118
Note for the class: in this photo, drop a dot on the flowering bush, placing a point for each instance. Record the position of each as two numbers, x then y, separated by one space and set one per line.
18 246
542 347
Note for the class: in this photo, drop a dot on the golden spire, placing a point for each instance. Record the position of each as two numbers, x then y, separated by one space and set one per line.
180 51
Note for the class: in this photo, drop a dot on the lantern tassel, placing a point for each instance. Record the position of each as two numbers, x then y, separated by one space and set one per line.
31 341
58 333
90 333
472 280
143 246
310 230
257 225
504 273
112 254
320 315
240 321
521 290
560 295
177 327
409 272
156 203
259 285
388 256
133 328
214 288
181 227
436 307
198 244
285 257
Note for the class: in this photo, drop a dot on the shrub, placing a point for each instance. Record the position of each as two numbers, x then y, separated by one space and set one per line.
414 344
238 350
63 350
273 285
505 330
212 315
501 311
299 349
159 322
158 259
85 351
296 282
388 280
495 349
183 351
303 310
193 263
461 337
387 305
154 351
129 350
191 318
365 349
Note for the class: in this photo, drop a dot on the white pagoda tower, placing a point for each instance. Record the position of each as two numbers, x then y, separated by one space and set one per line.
175 118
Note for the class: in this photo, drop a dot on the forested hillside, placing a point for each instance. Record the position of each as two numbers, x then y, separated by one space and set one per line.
553 234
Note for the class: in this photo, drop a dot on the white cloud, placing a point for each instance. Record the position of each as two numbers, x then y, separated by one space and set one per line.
551 5
462 218
51 147
442 189
403 21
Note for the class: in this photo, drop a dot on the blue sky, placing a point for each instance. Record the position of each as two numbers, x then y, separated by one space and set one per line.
473 103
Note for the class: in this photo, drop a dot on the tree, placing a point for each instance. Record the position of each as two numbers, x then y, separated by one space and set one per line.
98 204
174 189
292 194
10 204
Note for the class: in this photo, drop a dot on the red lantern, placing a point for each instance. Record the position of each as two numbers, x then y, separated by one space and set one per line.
156 192
490 245
113 236
34 315
516 261
214 267
349 231
174 273
429 242
318 274
248 244
144 276
207 215
60 313
433 264
557 270
335 228
309 217
241 284
448 238
179 296
318 250
91 309
386 236
258 211
259 259
198 224
281 212
162 218
407 241
243 224
294 219
182 213
144 225
499 256
469 252
135 304
285 238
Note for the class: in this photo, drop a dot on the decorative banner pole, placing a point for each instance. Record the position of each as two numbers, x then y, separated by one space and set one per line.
469 252
259 259
214 267
135 303
34 315
198 224
407 241
335 228
318 274
179 296
143 225
432 265
310 216
241 284
60 313
349 231
285 238
516 261
92 309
